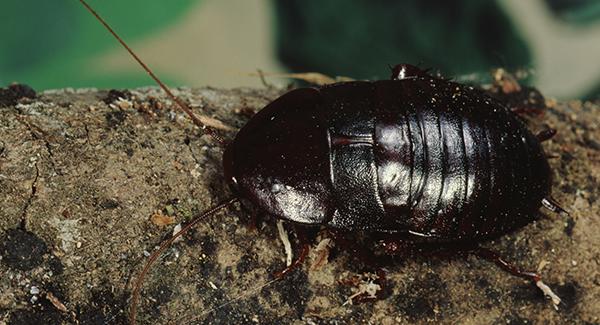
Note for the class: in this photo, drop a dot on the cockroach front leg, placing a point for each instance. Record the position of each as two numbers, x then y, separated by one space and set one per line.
297 262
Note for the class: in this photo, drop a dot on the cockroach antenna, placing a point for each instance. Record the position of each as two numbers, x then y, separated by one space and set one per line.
184 107
207 130
138 284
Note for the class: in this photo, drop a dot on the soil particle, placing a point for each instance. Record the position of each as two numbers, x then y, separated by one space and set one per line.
422 296
39 314
513 319
115 118
590 143
293 290
523 294
519 98
568 188
248 312
492 294
569 225
109 204
247 263
55 265
115 94
103 307
569 293
208 245
160 296
22 250
591 188
566 157
40 309
10 95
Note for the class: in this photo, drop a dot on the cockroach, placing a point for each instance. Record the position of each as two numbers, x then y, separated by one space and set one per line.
414 159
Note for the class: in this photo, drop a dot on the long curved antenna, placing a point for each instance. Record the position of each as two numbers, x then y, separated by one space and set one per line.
207 130
138 284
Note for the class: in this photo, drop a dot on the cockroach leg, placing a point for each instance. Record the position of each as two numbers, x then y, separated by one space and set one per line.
253 221
295 264
285 240
545 135
494 257
551 204
321 252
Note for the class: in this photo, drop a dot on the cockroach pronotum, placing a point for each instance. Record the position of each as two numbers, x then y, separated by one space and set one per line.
416 159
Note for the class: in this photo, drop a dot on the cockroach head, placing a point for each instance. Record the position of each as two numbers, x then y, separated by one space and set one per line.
279 161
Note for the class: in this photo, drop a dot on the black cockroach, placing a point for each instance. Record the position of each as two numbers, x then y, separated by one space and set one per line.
416 159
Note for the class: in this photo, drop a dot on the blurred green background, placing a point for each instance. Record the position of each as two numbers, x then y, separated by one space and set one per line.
56 44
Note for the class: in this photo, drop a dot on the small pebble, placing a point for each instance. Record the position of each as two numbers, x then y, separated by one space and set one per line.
34 290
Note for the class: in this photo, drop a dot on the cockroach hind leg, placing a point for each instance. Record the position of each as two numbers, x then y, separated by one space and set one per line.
551 204
495 258
545 135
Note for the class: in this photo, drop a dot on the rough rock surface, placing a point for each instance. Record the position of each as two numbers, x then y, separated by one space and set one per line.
82 172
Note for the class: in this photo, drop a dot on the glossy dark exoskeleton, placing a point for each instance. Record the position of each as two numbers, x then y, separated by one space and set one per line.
418 156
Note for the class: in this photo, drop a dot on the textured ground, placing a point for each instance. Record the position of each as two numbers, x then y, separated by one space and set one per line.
80 180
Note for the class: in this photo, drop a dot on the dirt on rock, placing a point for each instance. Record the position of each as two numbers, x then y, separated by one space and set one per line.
83 171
